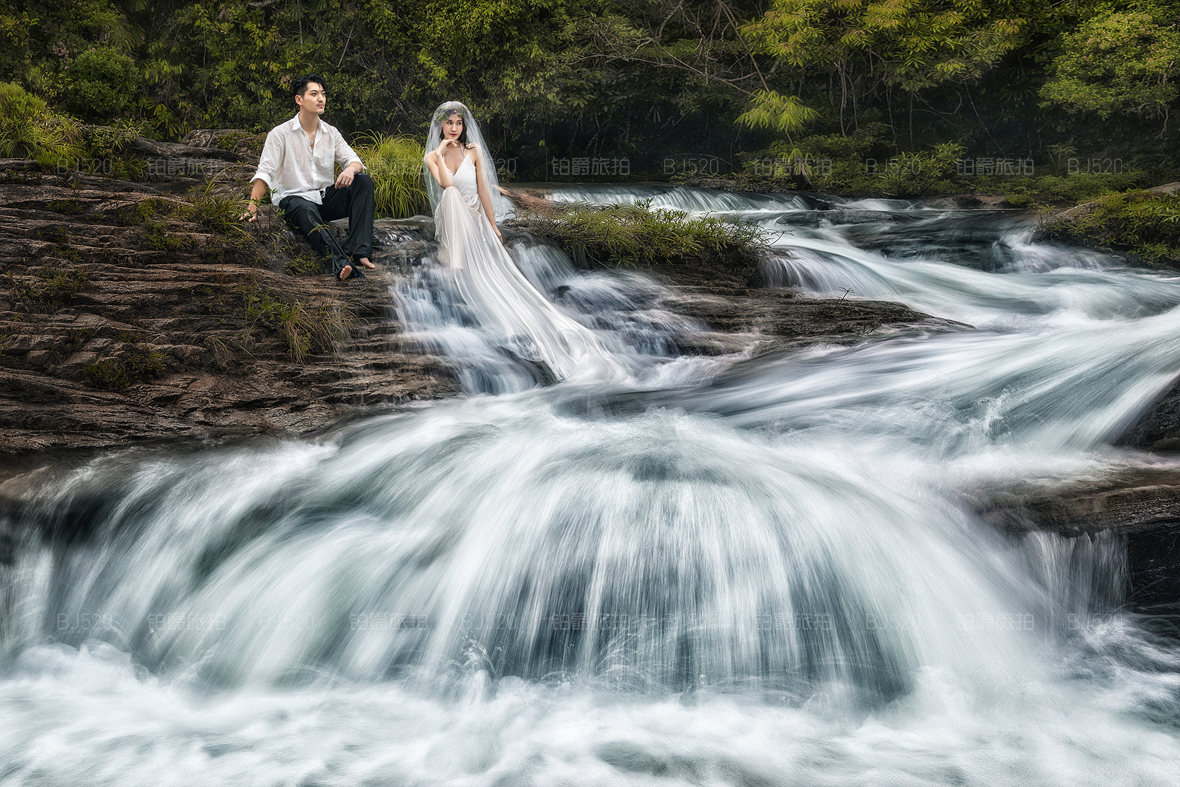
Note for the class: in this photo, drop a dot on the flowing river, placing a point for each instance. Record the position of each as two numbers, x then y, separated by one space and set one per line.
727 570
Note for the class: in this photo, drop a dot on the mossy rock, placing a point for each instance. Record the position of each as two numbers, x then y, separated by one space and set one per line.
135 364
1143 223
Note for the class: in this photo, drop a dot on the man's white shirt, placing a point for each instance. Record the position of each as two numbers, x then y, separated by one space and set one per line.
292 167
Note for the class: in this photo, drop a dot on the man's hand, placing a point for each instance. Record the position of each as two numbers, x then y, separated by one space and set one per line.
344 179
257 192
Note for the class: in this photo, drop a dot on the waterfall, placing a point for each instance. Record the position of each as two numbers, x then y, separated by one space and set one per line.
729 570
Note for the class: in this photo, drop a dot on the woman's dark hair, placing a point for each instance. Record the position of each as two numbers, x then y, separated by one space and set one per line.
463 134
300 85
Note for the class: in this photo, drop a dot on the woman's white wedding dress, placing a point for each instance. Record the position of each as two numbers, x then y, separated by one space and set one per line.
504 301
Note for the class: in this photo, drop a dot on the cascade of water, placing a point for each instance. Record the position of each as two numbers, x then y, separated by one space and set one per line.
750 575
668 547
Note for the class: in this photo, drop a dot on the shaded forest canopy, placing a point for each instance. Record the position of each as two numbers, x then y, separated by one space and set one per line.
644 88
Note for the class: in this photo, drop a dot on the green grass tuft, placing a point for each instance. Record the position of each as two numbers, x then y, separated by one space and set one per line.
629 235
303 330
48 290
134 364
29 129
305 263
395 165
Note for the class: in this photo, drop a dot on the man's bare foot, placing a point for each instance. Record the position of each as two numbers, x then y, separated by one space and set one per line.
346 273
365 262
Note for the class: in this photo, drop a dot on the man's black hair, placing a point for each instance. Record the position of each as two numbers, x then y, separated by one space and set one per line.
300 85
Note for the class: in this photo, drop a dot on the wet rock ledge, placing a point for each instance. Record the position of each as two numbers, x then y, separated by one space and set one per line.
124 318
133 312
1138 506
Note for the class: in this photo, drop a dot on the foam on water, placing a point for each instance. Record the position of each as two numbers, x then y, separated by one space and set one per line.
727 570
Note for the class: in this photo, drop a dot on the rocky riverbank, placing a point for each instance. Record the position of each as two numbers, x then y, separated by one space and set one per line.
125 318
1139 224
135 312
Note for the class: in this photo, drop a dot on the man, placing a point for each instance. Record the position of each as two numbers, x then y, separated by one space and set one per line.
297 164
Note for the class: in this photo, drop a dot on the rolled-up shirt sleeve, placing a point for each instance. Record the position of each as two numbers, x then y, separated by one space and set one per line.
271 160
345 155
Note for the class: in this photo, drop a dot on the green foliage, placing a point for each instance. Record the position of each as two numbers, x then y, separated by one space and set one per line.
866 163
109 145
242 64
29 129
303 263
1120 62
395 165
43 34
48 290
303 330
54 233
99 83
628 235
251 142
1060 189
66 207
827 162
214 211
158 237
772 110
143 211
133 364
14 43
1146 224
162 221
506 56
869 44
650 81
917 174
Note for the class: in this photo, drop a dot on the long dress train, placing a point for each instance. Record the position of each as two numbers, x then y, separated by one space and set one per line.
503 299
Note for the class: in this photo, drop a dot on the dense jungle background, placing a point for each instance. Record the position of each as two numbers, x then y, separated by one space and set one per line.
671 87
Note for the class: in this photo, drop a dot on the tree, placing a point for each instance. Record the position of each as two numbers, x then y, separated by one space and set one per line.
877 46
1120 63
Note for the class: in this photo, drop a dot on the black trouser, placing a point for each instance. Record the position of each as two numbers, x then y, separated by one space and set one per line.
310 220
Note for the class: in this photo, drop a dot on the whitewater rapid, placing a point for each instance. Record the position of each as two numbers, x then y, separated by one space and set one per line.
726 570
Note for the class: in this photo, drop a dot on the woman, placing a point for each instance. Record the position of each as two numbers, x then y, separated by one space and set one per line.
461 181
